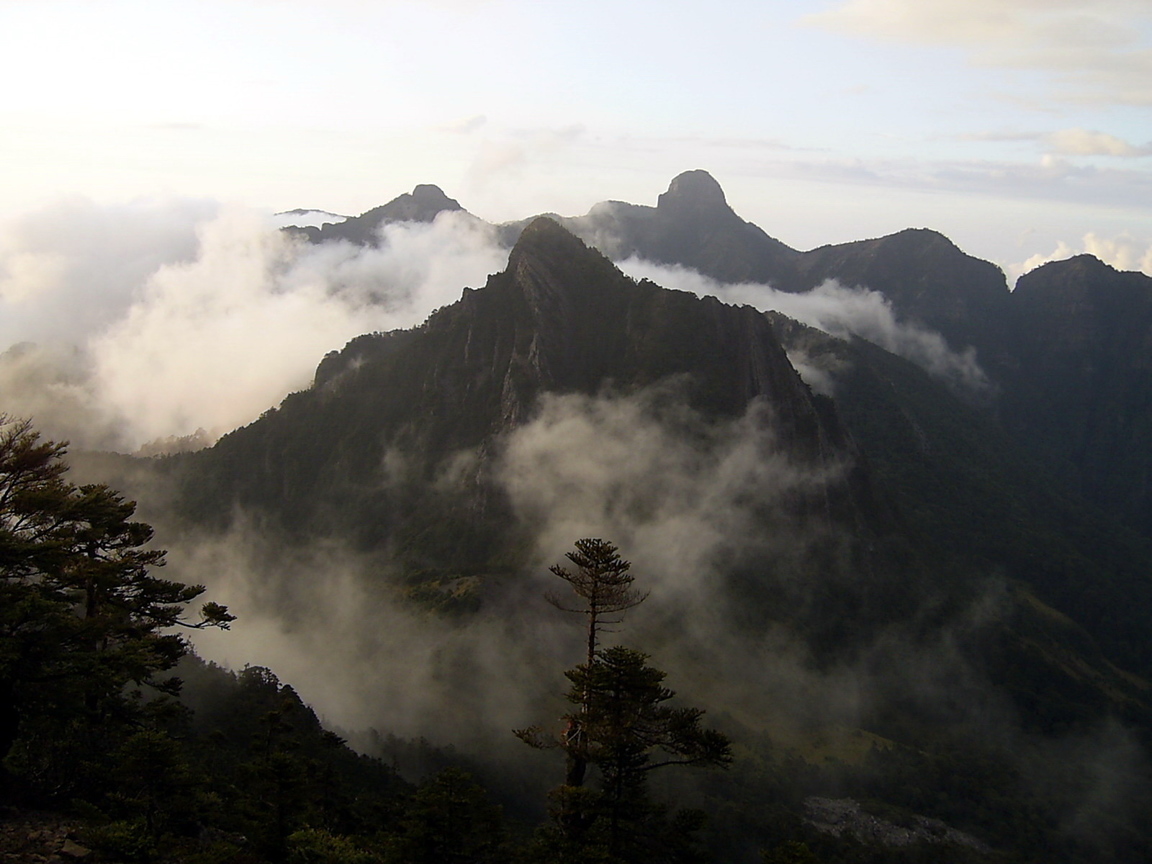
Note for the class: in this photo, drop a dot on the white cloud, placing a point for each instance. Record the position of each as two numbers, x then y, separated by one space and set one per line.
183 320
74 266
836 310
502 156
51 385
683 497
1084 142
323 619
659 480
215 342
1124 252
1101 49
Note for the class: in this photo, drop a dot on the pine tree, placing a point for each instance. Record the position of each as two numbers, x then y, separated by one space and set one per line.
603 582
621 725
631 732
82 616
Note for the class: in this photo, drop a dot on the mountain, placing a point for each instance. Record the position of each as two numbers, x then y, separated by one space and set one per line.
362 454
691 225
561 319
1026 479
1064 352
949 566
1080 391
422 204
970 494
305 217
926 278
922 273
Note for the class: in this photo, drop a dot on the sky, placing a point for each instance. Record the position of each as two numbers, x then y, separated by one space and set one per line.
1022 129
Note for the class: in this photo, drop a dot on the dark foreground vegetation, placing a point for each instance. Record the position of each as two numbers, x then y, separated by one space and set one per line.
108 756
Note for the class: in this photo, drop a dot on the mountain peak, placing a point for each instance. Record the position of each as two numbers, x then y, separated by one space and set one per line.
551 265
920 237
693 191
546 245
545 235
1079 265
1078 274
422 204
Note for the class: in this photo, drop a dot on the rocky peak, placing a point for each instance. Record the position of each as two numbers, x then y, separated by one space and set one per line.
1071 274
921 236
571 293
925 277
545 239
554 269
1064 306
695 192
587 323
1084 289
423 204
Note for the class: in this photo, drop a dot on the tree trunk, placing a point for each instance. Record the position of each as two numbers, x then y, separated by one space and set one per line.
9 728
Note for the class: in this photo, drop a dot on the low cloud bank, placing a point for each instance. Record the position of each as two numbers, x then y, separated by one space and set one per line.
838 311
360 654
685 500
686 496
157 319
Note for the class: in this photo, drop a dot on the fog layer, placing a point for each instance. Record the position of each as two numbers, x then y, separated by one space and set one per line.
156 319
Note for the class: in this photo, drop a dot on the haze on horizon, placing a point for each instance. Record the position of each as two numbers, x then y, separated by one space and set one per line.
147 144
1019 128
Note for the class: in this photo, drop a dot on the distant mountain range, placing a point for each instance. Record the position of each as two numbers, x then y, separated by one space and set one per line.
1064 352
1042 476
926 493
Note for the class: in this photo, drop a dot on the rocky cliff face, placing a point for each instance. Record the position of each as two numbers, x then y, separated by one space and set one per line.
561 319
1081 387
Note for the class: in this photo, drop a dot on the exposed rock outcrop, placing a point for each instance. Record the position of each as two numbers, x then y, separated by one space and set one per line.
840 816
561 319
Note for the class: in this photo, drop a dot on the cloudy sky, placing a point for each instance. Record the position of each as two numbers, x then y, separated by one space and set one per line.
1019 127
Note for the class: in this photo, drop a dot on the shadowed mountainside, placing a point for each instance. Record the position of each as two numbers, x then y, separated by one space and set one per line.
422 204
393 449
561 319
1080 391
944 532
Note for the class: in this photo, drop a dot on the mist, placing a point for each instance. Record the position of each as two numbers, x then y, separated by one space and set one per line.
687 500
157 319
683 497
360 654
837 310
